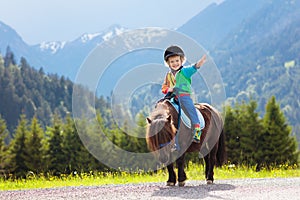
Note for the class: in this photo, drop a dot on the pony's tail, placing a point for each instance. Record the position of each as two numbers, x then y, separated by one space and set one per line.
221 153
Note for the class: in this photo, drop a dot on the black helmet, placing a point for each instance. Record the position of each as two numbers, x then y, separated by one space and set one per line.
173 51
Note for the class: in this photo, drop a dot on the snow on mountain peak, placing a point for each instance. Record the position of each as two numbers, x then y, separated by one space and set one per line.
107 35
116 30
89 36
104 35
52 46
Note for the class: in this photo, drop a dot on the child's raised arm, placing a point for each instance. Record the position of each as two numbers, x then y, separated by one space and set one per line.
201 62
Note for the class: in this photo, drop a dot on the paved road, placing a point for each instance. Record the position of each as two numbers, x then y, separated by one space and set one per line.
268 189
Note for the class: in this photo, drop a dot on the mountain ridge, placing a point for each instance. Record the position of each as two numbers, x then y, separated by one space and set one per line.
56 57
211 24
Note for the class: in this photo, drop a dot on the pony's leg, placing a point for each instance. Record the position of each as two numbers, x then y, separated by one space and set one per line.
210 161
206 159
181 173
172 176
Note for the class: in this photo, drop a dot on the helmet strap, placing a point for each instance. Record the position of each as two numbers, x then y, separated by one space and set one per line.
175 71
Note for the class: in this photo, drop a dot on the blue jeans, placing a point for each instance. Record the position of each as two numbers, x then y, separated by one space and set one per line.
188 107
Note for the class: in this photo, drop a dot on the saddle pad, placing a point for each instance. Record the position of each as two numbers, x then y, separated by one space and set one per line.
184 117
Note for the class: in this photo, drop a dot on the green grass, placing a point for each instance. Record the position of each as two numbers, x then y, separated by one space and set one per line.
194 172
232 172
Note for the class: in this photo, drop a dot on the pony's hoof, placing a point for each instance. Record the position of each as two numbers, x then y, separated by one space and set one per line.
209 182
170 184
181 184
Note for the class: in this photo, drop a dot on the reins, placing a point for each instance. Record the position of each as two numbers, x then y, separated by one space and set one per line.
178 126
164 144
176 142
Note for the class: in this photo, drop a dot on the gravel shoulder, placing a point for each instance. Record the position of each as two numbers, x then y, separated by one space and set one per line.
269 188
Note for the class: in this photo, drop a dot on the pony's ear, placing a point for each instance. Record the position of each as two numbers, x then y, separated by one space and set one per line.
149 120
169 118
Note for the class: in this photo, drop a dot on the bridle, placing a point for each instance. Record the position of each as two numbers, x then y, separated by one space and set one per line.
164 144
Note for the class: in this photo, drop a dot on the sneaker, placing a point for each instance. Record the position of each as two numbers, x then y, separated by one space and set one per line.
197 133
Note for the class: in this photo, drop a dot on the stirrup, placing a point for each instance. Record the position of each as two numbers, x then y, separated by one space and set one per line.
174 148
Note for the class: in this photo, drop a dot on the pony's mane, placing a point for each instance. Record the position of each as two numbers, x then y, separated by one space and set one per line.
160 109
160 128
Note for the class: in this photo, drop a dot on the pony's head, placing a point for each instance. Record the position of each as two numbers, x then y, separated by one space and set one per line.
160 132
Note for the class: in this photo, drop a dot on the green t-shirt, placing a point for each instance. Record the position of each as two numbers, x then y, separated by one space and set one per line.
183 80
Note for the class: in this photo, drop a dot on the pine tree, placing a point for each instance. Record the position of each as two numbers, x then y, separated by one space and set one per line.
1 61
252 129
277 146
242 128
3 147
72 146
232 131
9 58
132 141
17 149
34 147
55 154
140 132
91 135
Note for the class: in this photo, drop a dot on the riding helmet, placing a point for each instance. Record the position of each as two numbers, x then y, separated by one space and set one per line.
173 51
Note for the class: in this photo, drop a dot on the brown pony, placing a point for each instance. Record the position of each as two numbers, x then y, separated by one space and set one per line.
162 133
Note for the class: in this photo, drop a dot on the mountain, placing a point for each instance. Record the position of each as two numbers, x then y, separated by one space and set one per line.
257 53
65 58
262 54
10 38
57 57
215 22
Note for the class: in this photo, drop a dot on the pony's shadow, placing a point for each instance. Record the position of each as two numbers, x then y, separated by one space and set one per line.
200 191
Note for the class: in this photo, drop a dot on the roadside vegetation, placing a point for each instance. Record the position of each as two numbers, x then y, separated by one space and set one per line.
194 172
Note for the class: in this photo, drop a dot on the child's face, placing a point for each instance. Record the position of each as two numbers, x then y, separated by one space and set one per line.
174 62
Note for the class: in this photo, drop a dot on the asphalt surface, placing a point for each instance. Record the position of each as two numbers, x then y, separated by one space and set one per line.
268 189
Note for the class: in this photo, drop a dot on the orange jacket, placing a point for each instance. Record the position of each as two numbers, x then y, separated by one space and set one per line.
169 82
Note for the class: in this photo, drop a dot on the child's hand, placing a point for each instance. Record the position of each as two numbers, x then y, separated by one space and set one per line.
201 62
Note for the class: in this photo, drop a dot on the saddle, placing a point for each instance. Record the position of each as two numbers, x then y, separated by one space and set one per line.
183 117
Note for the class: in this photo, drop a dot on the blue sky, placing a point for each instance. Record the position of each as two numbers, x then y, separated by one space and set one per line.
63 20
